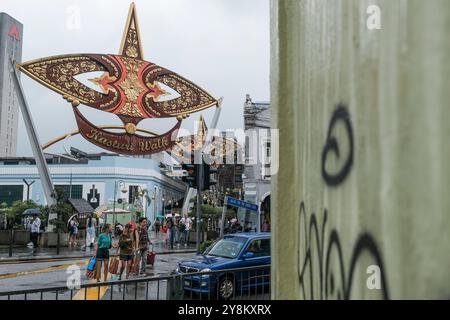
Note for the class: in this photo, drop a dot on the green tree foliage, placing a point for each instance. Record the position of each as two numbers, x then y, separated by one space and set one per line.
205 244
63 210
215 213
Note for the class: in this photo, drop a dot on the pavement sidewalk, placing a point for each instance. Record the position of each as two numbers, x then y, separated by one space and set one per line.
25 254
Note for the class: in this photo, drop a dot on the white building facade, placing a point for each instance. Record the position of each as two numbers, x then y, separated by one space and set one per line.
258 154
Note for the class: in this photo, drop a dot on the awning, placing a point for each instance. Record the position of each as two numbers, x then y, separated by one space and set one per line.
81 206
117 211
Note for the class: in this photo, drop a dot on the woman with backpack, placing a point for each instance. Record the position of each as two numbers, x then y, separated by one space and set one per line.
127 248
73 232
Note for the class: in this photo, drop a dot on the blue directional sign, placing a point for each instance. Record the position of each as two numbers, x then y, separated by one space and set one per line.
241 204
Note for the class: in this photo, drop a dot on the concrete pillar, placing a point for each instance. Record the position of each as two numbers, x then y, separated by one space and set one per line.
360 204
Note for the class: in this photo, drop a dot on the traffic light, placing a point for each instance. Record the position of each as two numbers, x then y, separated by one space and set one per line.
208 176
191 177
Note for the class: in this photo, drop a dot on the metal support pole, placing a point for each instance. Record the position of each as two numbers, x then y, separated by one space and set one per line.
258 228
58 243
41 163
224 209
114 204
11 240
199 173
28 184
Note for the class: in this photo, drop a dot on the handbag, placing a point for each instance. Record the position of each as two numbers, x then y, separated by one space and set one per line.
91 264
136 264
151 257
98 270
89 274
114 266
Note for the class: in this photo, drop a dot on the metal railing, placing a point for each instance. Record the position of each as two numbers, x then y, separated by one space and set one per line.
249 283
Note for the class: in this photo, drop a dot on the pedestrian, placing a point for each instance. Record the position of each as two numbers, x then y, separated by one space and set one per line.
177 230
143 242
157 227
185 228
102 251
35 229
165 230
266 226
90 231
73 232
127 248
171 230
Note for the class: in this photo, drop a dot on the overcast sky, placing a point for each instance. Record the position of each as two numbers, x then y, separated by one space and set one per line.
221 45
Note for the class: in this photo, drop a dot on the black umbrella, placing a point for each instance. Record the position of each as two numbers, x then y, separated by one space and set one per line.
31 212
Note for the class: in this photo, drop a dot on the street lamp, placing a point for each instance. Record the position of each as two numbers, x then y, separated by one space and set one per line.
116 183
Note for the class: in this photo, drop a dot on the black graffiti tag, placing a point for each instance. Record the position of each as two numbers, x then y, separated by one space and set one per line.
331 145
315 238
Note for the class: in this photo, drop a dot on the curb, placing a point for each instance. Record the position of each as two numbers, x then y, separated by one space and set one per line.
65 258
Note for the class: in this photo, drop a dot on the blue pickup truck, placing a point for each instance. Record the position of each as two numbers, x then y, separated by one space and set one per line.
239 250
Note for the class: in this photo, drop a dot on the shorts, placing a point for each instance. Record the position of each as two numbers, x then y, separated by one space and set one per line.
102 254
127 257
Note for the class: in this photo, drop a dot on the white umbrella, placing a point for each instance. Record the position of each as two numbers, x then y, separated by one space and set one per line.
71 217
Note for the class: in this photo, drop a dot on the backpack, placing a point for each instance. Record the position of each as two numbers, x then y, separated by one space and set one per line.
182 227
42 227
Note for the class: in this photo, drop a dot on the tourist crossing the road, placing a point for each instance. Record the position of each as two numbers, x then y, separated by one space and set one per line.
127 249
143 242
102 251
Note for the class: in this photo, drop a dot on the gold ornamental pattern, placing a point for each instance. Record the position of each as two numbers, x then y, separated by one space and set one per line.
58 74
132 88
191 97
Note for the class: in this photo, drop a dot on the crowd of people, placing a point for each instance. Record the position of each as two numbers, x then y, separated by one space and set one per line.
131 247
176 230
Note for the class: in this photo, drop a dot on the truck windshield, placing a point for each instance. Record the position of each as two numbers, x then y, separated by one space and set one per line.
228 247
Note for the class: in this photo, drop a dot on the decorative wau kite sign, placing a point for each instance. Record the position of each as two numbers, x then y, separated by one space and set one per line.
130 88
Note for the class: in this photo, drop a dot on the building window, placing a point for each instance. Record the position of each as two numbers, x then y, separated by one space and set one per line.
11 194
132 193
77 191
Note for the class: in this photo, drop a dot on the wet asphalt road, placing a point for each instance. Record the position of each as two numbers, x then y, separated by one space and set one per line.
25 276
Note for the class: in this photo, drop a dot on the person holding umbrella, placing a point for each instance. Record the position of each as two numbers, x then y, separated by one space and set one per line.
35 229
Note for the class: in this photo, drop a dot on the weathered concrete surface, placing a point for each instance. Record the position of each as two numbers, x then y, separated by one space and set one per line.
391 208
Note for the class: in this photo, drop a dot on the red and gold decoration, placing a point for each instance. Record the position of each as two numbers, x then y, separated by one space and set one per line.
129 87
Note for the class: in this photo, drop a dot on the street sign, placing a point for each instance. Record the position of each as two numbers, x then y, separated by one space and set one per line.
241 204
